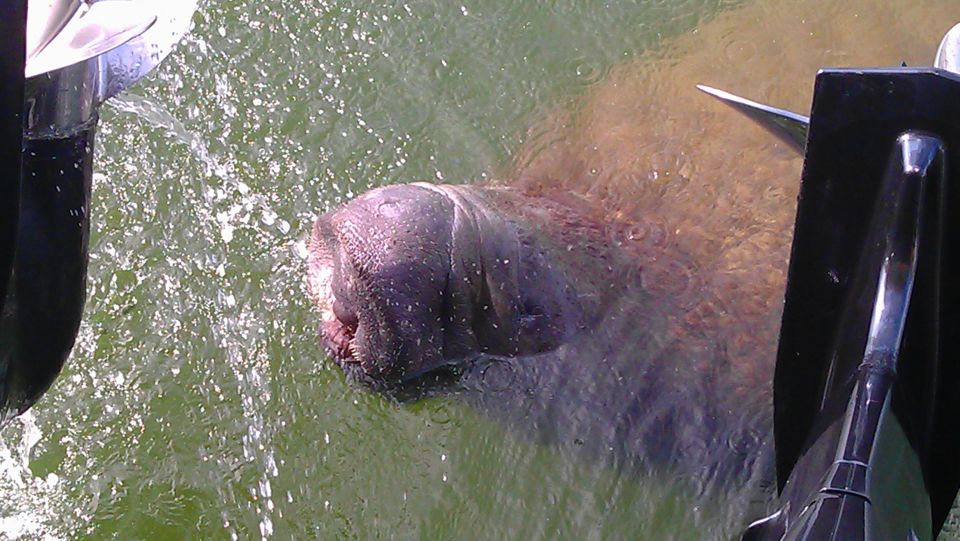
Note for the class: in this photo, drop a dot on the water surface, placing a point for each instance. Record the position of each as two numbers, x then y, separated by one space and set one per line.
197 402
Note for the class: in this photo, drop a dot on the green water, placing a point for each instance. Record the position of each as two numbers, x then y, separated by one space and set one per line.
197 403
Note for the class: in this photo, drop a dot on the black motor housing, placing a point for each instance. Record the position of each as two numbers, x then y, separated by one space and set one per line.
867 413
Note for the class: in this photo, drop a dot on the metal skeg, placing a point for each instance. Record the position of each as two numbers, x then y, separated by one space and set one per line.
790 127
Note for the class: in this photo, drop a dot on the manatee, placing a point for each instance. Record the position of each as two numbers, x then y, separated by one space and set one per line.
599 332
620 289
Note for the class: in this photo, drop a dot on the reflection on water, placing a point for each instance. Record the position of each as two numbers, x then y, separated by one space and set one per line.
29 519
197 402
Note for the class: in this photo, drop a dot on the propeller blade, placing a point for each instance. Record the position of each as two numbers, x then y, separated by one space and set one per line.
93 30
789 127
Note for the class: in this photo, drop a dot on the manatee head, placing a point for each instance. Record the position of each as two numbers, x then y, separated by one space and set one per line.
415 277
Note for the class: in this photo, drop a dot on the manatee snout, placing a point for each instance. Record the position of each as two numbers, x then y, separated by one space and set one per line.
414 277
378 268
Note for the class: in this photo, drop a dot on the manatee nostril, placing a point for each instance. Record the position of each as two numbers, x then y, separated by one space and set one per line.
347 317
389 208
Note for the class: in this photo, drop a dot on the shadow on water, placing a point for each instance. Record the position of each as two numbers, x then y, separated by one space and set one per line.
197 402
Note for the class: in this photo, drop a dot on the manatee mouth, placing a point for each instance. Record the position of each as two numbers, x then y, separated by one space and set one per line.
340 321
339 325
339 333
